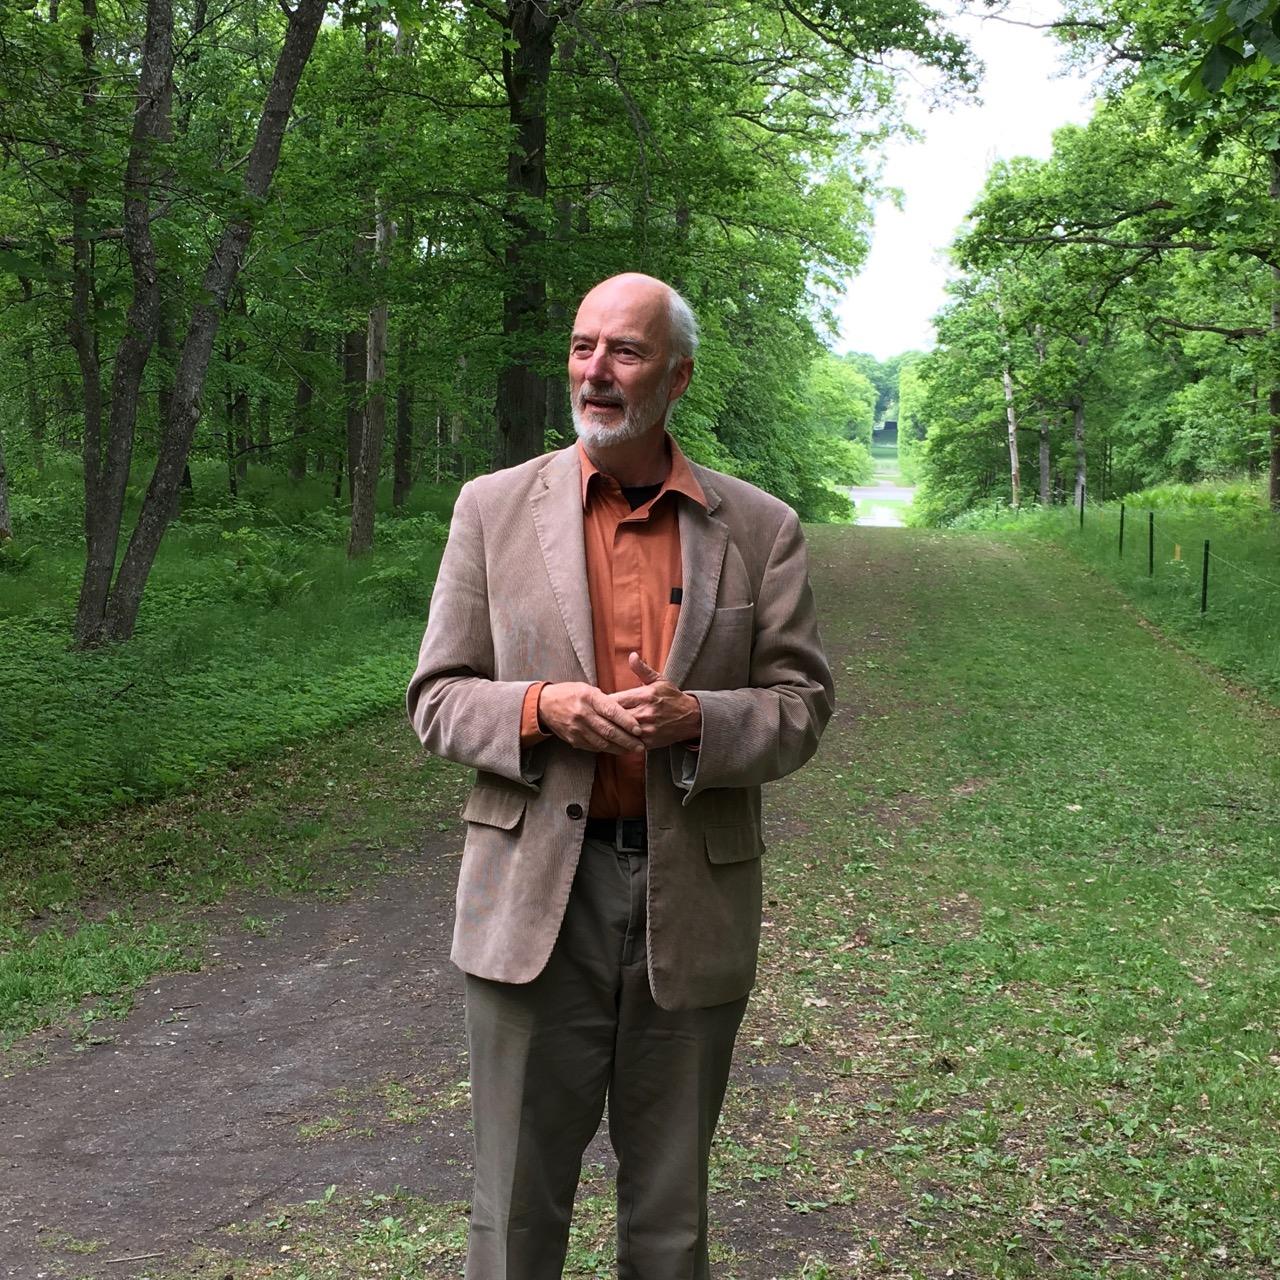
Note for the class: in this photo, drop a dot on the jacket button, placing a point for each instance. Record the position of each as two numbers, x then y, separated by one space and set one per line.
574 811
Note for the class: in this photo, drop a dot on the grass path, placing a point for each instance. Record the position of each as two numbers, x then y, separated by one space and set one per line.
1017 1013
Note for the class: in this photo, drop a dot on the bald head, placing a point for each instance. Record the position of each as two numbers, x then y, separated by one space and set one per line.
660 302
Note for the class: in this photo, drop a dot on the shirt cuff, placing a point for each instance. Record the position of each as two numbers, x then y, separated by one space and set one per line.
530 730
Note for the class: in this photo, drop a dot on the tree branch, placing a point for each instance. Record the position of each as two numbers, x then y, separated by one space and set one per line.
1235 335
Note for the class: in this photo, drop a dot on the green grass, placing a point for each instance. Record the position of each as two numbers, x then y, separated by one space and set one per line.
258 644
88 914
253 633
885 460
1039 898
1239 631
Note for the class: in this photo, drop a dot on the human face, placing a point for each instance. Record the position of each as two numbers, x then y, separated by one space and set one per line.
622 381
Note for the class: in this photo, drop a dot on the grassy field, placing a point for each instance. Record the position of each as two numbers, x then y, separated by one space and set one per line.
1018 1007
1159 565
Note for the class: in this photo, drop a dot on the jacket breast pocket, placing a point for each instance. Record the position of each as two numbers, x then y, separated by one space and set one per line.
725 660
494 807
734 617
733 844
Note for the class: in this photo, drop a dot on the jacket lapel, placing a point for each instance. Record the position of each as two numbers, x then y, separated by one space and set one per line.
557 517
703 540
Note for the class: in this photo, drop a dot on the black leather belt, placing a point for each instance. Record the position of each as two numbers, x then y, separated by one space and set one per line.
627 835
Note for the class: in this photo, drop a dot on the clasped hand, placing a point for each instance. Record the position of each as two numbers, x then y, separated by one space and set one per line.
654 715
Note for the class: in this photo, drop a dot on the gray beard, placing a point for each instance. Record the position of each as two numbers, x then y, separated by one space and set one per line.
637 421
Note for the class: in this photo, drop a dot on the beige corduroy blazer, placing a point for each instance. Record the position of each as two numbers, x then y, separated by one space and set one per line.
510 607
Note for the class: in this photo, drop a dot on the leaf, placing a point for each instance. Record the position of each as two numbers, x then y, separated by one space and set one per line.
1265 41
30 268
1243 12
1218 64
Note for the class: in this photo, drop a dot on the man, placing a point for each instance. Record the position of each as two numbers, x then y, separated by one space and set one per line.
623 645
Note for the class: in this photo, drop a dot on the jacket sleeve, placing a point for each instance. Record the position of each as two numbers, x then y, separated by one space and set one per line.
758 734
456 706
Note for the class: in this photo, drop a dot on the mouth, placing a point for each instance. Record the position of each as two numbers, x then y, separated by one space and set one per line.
600 403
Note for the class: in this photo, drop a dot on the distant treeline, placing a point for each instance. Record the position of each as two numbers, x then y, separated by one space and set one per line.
1116 319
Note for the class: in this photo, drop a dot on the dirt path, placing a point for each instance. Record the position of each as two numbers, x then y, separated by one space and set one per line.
194 1113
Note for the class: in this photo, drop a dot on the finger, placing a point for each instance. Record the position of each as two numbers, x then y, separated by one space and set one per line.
614 712
620 730
643 669
614 743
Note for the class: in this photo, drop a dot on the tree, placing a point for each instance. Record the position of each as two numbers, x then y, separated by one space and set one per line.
1211 70
840 400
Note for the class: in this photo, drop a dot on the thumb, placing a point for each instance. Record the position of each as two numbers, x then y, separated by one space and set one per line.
643 669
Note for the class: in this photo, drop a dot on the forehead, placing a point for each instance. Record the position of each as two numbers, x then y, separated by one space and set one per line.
617 308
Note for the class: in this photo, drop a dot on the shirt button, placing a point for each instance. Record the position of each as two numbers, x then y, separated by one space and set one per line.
574 811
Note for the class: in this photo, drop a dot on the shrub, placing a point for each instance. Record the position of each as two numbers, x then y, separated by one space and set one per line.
402 590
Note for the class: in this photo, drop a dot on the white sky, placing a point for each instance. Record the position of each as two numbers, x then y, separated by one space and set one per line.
1024 97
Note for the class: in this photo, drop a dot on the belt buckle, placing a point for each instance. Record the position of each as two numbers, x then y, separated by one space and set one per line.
624 826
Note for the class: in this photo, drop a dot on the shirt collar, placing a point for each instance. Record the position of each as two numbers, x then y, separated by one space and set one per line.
680 479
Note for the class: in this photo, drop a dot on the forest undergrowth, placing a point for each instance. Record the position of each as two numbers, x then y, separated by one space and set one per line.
256 631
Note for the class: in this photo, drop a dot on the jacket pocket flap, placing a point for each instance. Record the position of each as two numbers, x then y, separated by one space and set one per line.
494 806
733 844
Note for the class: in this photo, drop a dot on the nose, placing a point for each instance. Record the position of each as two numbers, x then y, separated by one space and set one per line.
597 367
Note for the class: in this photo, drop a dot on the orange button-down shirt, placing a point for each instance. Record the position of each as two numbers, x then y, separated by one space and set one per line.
634 580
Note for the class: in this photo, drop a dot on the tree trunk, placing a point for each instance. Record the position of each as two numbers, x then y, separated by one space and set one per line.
105 478
457 425
355 370
302 411
1010 410
367 464
1011 415
233 472
168 350
66 412
35 406
161 501
1045 489
240 397
1077 425
364 486
100 537
559 417
521 404
6 521
402 458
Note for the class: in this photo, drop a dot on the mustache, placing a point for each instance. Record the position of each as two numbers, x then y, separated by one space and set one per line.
587 392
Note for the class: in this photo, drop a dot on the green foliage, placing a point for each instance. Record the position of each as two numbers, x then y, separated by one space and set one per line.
1121 284
254 634
14 559
912 422
839 399
672 148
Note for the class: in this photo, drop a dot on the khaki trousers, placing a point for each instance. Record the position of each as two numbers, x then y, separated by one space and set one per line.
544 1057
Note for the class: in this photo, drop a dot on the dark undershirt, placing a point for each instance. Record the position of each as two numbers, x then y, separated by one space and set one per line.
638 495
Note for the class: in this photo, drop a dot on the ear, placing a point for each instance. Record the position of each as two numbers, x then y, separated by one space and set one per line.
681 376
